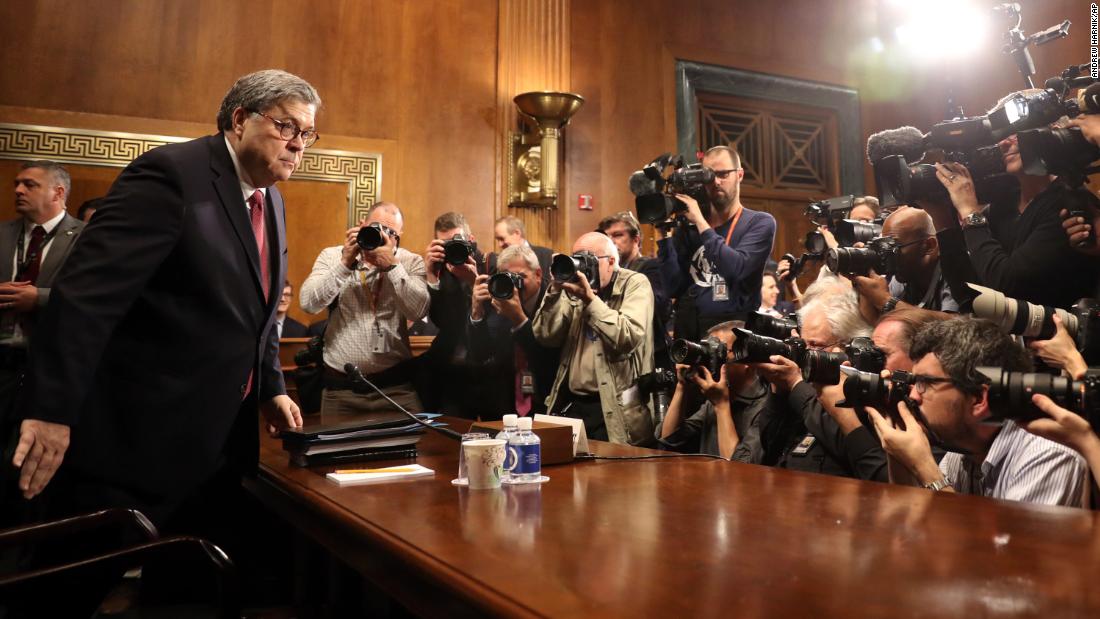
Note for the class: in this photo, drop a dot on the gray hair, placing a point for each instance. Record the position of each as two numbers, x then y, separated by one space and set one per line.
55 171
259 91
963 344
518 252
826 283
841 308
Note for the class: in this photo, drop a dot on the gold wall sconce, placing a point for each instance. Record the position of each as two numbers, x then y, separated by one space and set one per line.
535 154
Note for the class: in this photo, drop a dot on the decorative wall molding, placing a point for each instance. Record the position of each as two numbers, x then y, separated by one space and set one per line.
361 172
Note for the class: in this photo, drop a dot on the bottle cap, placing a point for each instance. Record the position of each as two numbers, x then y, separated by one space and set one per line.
524 423
510 419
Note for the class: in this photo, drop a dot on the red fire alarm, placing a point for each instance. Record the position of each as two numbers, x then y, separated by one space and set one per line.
584 202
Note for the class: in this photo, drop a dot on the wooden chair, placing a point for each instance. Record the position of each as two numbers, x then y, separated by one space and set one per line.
23 590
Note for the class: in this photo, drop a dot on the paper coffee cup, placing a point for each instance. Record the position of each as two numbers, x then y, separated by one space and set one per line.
484 462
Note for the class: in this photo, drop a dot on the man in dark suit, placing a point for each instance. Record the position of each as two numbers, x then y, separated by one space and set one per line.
509 232
521 370
159 343
287 326
446 381
32 250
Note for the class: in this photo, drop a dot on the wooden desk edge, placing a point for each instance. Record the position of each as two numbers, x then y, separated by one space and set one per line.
408 586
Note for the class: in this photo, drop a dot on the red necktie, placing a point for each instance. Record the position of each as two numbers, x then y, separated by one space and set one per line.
34 256
523 400
256 201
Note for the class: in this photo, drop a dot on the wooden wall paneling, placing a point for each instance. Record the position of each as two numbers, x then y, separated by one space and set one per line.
533 43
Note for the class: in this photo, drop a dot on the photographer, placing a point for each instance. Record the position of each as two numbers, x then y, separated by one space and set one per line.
713 268
625 231
446 382
1018 246
728 423
1067 428
501 338
809 432
603 330
918 281
989 459
376 292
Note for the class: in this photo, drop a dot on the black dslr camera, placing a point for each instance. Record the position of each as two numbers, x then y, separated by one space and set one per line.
848 232
373 236
655 200
565 268
457 250
312 354
879 254
1010 394
883 394
823 367
504 284
770 326
749 347
709 353
827 212
658 386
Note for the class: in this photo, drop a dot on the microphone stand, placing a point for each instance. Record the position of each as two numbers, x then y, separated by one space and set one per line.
360 384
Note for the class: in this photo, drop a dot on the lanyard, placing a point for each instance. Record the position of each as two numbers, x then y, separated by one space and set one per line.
736 218
24 265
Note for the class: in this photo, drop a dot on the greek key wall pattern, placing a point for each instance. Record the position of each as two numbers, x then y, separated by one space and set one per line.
361 172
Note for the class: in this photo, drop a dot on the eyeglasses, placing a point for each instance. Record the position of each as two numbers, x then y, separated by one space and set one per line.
922 382
288 130
724 174
913 242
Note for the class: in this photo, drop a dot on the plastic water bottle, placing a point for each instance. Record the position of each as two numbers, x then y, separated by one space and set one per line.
510 430
528 450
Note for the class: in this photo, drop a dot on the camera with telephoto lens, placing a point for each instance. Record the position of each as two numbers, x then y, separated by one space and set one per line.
823 368
709 353
749 347
879 254
503 285
900 183
655 201
1056 151
848 232
1010 394
770 326
1017 317
863 389
458 249
373 236
565 268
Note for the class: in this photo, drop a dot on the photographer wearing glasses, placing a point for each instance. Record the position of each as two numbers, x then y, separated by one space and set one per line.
713 267
918 280
986 458
807 431
603 329
373 288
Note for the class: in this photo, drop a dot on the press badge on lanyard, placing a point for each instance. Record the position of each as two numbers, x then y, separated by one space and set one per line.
719 288
377 339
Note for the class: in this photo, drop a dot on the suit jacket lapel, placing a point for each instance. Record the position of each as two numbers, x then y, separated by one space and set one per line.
228 187
59 249
9 234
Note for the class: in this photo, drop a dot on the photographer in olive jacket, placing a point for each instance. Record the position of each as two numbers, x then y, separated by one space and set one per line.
602 328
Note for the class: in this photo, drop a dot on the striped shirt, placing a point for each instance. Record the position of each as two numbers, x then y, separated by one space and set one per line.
369 327
1021 466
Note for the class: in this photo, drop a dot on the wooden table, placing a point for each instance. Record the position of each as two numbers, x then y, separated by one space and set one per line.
692 537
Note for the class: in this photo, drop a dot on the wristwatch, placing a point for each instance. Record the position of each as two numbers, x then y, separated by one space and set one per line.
938 485
889 306
975 220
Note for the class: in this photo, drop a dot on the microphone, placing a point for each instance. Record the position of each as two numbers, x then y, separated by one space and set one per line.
905 141
358 379
1088 99
641 184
